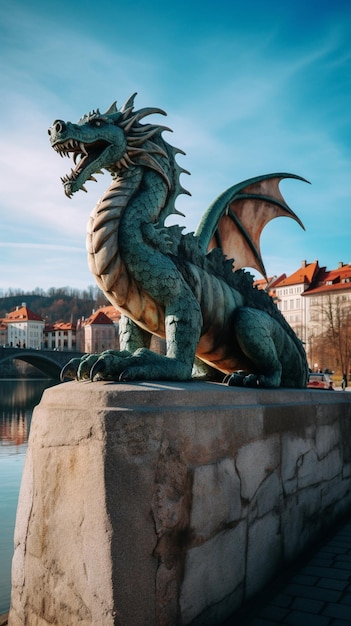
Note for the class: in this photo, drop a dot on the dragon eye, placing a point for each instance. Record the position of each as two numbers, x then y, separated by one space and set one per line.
96 122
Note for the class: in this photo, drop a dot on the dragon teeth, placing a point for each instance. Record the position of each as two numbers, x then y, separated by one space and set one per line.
69 179
71 145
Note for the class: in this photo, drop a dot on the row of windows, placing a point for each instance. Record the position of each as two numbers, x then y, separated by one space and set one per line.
293 319
288 305
60 344
103 334
335 298
289 291
22 332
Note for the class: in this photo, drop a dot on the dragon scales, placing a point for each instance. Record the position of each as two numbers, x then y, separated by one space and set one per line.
190 289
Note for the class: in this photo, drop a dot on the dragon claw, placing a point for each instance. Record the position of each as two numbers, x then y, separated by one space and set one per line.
236 379
98 367
70 370
123 377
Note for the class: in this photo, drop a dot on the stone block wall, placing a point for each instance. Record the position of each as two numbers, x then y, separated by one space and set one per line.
171 504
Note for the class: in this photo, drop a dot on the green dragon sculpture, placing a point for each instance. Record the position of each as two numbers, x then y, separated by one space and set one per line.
190 289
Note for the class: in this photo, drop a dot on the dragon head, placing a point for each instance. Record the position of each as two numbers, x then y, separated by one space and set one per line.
113 141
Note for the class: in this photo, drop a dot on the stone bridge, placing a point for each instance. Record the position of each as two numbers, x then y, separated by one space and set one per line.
48 361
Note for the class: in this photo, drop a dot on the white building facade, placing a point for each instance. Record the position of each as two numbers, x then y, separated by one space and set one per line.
290 301
24 329
60 336
312 299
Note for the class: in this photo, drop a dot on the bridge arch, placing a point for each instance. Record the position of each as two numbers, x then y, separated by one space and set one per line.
49 362
43 363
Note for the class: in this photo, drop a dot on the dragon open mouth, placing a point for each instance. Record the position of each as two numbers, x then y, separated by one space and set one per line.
84 156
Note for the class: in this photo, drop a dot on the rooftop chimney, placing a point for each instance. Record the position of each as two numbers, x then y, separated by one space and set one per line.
303 264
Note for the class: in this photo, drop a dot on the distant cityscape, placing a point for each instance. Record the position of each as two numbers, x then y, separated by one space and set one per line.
23 328
317 304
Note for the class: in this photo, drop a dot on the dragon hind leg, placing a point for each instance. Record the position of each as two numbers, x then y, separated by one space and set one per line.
261 340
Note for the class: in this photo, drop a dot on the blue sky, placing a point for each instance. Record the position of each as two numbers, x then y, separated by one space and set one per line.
250 87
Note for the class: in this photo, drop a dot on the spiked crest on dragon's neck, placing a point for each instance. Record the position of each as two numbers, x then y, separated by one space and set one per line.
180 287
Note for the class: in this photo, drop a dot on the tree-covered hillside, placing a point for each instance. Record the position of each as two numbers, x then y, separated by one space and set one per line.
62 304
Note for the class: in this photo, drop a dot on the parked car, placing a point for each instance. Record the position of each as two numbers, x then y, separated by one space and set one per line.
317 380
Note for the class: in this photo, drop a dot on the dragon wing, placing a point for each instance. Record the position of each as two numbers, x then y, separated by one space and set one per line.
235 220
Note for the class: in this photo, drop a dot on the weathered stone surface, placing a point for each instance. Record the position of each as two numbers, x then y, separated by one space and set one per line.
269 495
167 504
212 572
58 564
313 471
302 520
216 497
264 552
293 449
327 438
254 462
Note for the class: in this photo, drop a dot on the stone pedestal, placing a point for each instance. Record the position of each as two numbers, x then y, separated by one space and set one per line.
164 504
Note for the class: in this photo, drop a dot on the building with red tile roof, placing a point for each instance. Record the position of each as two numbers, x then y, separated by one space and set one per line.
312 299
113 314
3 333
24 328
91 325
270 284
97 333
60 336
288 297
331 281
304 275
329 327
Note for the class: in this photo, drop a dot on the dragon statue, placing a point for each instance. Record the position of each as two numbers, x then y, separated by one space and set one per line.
190 289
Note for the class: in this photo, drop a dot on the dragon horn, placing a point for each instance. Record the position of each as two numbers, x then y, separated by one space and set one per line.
112 109
129 103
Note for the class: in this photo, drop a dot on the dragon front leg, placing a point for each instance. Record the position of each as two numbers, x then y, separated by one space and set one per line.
122 366
131 336
131 339
183 322
141 365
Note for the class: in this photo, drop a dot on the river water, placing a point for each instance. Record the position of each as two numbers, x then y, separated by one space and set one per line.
17 400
